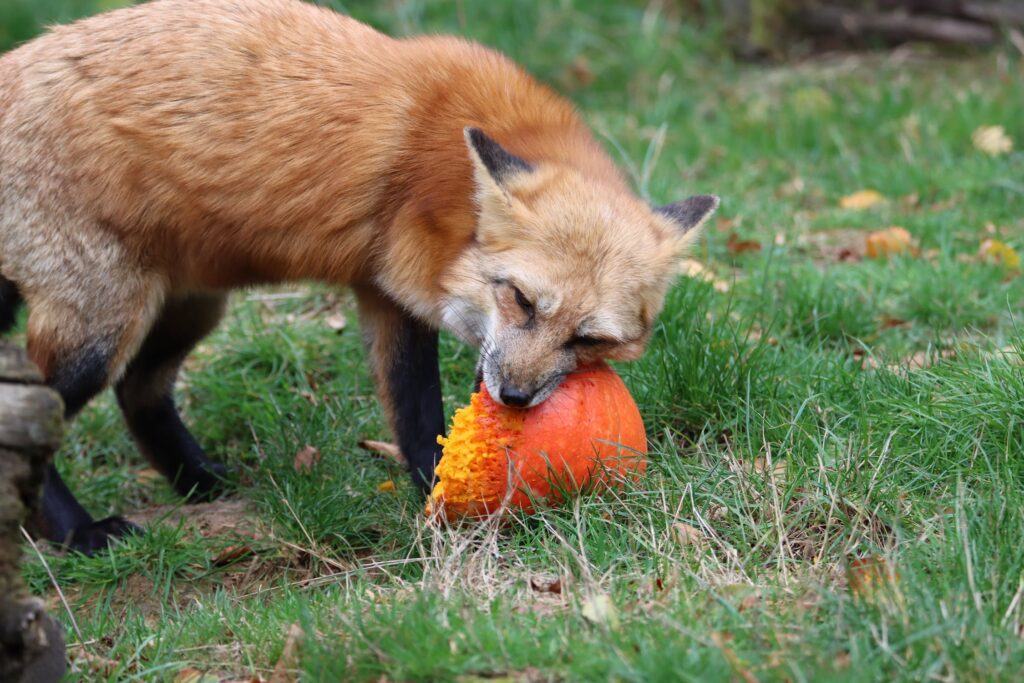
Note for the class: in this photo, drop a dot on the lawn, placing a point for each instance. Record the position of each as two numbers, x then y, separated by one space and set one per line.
836 482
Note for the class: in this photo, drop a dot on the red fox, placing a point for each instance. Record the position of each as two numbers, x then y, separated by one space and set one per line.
154 157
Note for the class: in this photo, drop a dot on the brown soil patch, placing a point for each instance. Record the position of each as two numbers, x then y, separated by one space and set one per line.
219 518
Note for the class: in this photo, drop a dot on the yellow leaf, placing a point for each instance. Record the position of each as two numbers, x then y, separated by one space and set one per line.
871 578
894 240
599 609
386 486
992 140
864 199
695 269
1000 253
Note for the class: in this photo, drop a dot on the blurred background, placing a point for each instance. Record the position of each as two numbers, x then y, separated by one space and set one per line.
753 28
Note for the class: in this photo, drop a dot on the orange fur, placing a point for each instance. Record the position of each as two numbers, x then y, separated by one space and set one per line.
195 145
300 144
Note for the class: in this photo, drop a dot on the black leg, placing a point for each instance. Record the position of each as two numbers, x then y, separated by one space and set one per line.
403 355
145 397
65 521
62 519
414 382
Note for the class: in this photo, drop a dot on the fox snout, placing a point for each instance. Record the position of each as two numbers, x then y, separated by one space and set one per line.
522 384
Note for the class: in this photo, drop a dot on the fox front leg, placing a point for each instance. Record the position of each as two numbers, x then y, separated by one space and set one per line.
403 356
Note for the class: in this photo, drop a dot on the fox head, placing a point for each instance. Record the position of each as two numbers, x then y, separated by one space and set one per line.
562 272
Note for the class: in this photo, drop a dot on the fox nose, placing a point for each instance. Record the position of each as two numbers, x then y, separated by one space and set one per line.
514 396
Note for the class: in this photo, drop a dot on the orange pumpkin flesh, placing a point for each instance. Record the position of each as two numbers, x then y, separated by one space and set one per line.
587 434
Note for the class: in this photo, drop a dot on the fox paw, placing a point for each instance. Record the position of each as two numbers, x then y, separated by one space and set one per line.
205 485
98 536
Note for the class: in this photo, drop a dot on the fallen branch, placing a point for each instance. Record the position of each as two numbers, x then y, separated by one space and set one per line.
895 26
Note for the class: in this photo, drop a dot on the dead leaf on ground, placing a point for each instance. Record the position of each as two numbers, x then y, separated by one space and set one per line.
287 668
749 601
923 359
870 577
723 224
839 245
599 609
999 253
696 270
735 245
546 585
388 450
147 475
888 242
88 663
722 641
306 459
578 74
888 322
336 321
386 486
777 469
190 675
689 267
992 140
687 535
790 188
232 554
861 200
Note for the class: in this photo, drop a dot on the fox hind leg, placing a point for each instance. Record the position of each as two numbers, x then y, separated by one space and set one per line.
81 343
146 398
78 377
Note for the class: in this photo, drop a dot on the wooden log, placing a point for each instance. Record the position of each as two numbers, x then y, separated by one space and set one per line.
31 425
778 27
894 26
995 13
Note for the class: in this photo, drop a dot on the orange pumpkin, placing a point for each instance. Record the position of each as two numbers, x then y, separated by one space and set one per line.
587 434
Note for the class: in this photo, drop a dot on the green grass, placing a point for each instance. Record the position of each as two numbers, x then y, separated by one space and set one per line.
806 413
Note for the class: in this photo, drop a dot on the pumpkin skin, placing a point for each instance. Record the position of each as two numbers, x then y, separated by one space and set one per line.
589 433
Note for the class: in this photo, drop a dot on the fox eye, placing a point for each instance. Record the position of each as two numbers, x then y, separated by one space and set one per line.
523 302
585 342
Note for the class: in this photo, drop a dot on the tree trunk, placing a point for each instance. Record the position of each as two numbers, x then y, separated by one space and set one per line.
31 425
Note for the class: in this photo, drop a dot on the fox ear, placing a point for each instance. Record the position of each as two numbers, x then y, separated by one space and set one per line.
691 212
491 161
